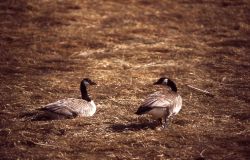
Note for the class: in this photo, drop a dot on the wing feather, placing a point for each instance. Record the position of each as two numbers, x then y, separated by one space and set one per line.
156 100
68 107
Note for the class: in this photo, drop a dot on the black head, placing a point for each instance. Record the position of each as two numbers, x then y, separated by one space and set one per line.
87 81
168 82
83 87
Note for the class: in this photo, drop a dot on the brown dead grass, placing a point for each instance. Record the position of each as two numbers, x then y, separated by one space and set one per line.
47 47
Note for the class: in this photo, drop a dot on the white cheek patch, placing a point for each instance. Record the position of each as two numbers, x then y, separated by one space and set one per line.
165 81
86 83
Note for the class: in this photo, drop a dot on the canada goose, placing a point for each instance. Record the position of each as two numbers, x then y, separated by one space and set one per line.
162 105
71 107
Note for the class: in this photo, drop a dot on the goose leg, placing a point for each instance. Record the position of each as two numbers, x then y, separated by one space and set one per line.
160 121
165 125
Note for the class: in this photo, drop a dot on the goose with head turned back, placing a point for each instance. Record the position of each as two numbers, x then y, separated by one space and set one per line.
71 107
162 105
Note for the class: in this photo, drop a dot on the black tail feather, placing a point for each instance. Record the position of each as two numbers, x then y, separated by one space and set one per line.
142 110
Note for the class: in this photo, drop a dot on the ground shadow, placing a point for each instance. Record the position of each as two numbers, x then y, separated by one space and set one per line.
133 126
144 125
41 116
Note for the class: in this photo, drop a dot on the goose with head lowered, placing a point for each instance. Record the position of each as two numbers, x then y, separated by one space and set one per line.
162 105
71 107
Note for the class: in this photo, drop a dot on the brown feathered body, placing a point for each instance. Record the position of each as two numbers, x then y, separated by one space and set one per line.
161 105
69 108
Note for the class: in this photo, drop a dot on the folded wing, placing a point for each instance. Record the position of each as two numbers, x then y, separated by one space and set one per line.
155 100
69 107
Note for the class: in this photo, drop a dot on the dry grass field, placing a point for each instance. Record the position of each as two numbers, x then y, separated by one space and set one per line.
47 47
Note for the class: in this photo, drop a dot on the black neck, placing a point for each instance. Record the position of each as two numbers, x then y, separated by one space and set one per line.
172 85
84 93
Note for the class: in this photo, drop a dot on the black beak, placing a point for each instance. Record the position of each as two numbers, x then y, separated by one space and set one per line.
92 83
156 83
